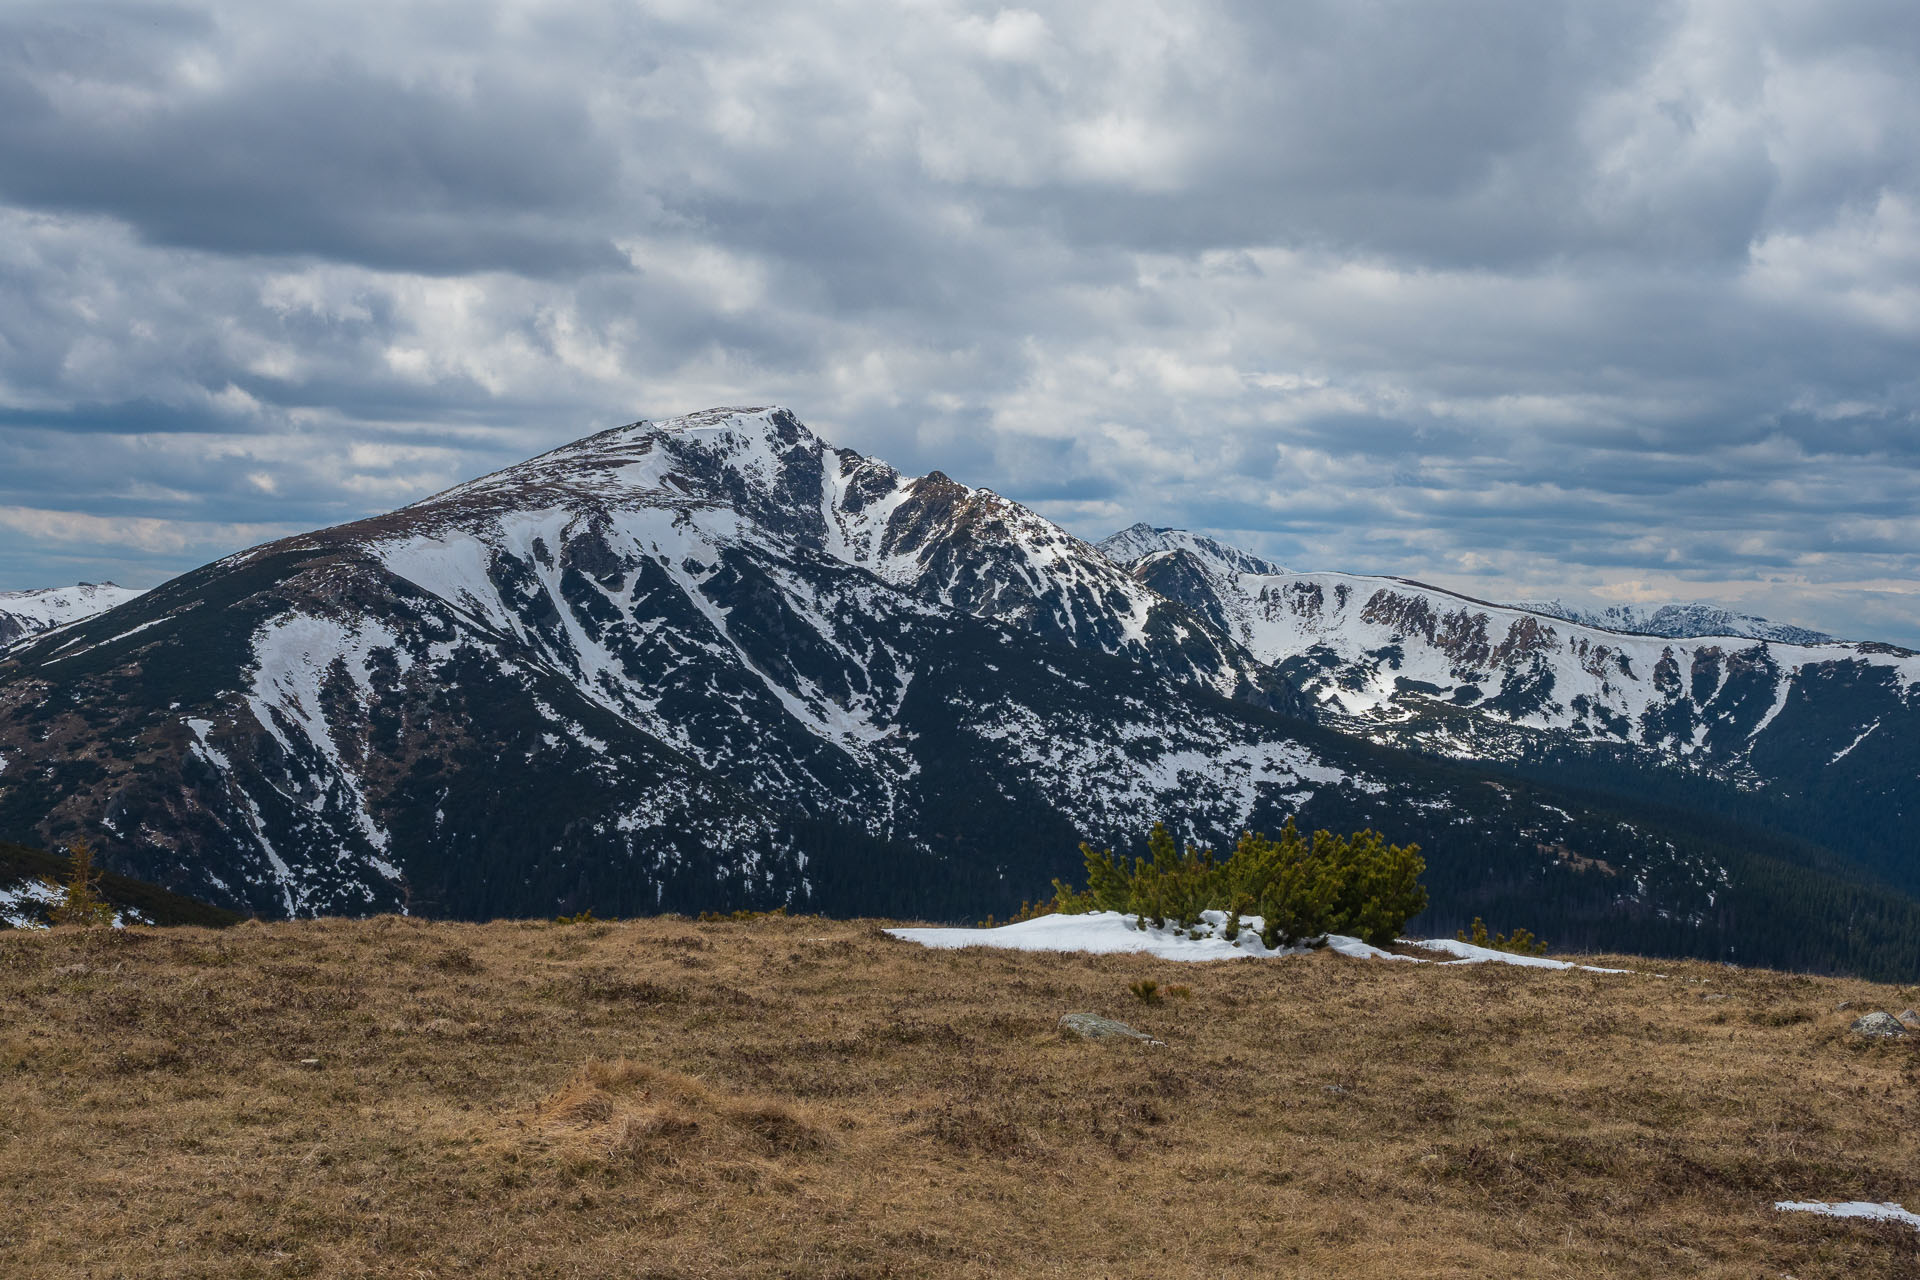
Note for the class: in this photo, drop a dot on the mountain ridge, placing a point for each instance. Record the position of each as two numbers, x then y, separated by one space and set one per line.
1675 620
1404 662
719 662
28 613
1686 620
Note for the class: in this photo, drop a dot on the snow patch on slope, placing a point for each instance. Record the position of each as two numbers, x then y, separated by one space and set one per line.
1115 933
1846 750
295 655
19 902
1119 933
1885 1211
1114 779
57 606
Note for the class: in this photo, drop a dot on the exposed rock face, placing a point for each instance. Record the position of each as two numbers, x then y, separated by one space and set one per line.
1878 1026
1094 1027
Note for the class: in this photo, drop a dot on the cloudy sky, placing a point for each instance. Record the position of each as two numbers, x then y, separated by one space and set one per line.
1610 301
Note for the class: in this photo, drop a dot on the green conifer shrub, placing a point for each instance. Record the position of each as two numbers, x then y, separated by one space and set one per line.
1519 942
1301 887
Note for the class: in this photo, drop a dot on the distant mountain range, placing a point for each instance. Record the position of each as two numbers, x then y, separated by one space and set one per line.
715 661
28 613
1680 621
1751 726
1675 621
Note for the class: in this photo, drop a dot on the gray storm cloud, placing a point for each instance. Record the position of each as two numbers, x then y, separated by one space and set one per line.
1523 298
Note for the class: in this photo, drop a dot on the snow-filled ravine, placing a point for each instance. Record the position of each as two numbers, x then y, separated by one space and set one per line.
1115 932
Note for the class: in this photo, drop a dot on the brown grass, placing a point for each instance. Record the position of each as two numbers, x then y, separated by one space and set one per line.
809 1098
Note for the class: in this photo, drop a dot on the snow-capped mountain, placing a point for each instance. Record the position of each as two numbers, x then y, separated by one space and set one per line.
27 613
704 634
1679 621
1411 664
715 661
1138 541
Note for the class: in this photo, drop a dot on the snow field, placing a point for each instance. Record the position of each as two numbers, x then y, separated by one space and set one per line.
1115 933
1884 1212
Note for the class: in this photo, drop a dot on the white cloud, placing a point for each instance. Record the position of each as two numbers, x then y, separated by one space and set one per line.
1505 295
166 536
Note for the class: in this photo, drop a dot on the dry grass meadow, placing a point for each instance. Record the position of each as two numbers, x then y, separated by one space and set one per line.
809 1098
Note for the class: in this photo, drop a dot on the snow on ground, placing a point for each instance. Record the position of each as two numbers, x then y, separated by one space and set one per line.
1887 1212
1467 953
22 904
1111 932
17 904
57 606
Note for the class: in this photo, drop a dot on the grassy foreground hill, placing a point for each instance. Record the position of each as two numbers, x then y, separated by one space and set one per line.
811 1098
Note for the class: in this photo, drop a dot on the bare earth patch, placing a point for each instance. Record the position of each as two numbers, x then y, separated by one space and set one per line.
811 1098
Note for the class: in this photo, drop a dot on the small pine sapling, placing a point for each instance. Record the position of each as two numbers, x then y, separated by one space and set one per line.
1108 884
80 901
1066 902
1520 942
1146 991
1523 943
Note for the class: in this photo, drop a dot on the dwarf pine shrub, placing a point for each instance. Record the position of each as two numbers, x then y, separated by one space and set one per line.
1302 887
1519 942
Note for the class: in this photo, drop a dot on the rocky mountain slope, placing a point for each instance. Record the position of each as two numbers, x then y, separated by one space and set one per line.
717 662
1825 737
27 613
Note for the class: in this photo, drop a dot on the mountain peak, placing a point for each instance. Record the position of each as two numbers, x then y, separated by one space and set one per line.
736 484
701 419
1138 541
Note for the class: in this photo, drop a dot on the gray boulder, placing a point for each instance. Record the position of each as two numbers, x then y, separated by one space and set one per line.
1878 1026
1909 1017
1095 1027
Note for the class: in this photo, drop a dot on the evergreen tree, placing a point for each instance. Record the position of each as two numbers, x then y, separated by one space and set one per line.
80 901
1379 888
1108 885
